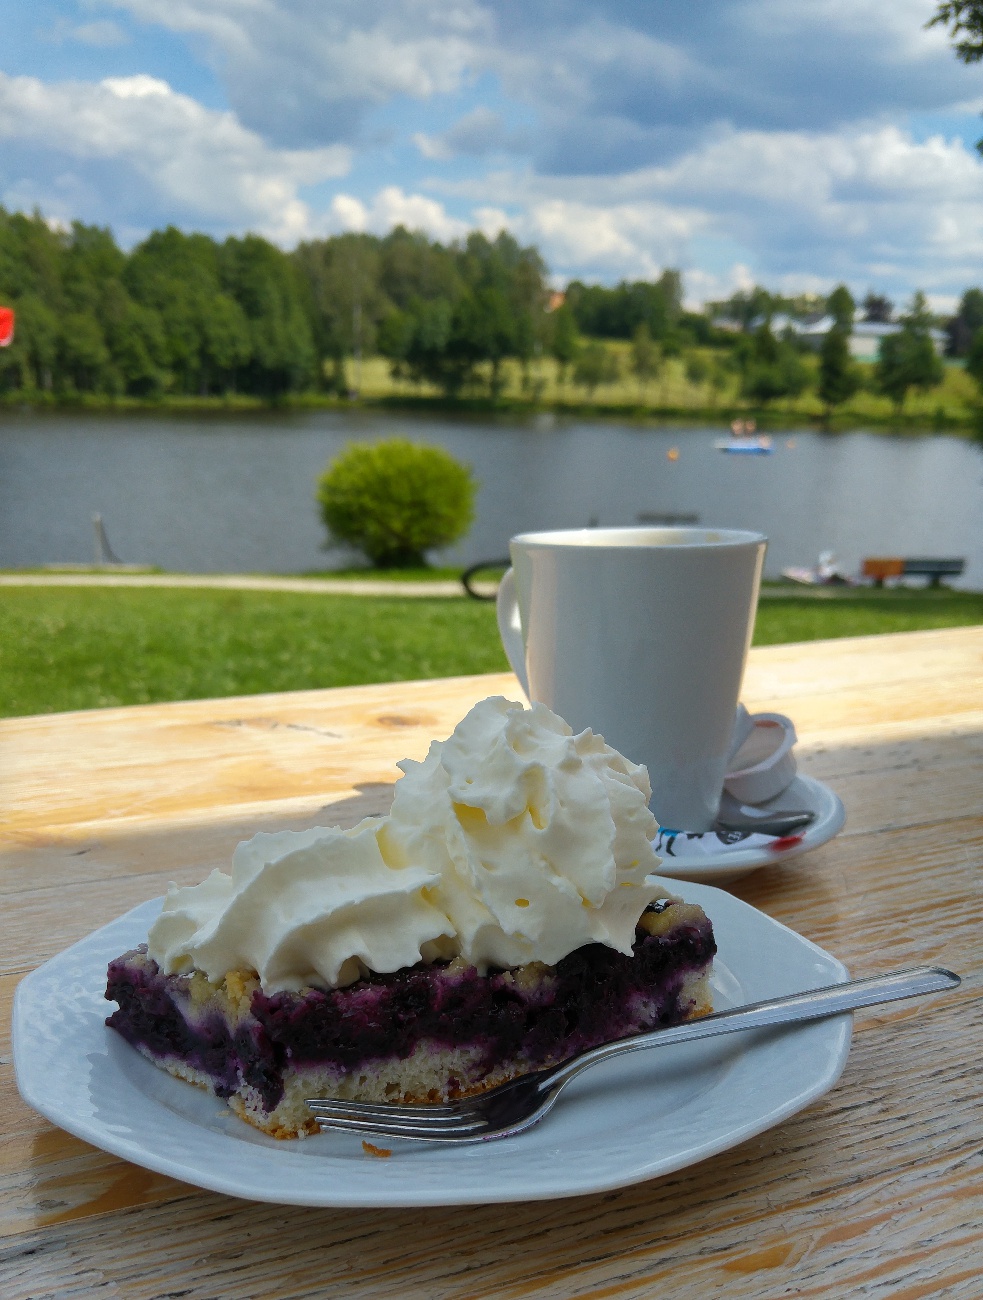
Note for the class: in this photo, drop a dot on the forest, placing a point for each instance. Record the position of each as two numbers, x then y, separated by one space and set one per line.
187 316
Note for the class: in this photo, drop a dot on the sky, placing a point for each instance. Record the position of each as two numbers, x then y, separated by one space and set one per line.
792 143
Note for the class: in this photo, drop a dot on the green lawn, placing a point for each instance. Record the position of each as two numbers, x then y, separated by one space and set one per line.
82 648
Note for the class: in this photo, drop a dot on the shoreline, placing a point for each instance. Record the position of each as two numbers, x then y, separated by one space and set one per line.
768 419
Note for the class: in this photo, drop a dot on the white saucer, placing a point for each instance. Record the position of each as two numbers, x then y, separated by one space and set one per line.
732 861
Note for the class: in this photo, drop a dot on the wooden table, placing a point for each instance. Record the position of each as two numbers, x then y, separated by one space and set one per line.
876 1190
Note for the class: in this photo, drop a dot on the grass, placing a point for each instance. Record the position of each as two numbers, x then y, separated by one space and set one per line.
818 613
82 648
954 405
66 648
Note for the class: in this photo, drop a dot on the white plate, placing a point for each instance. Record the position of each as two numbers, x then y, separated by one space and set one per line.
623 1122
732 862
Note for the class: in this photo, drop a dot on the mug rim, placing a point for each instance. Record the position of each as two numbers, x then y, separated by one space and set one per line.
640 538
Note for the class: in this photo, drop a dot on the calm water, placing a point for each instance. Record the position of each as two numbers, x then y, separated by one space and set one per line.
237 495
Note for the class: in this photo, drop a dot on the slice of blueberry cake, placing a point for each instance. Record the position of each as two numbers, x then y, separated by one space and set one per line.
423 1034
501 918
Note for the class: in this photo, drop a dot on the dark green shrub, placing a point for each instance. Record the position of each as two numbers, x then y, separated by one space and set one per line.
395 500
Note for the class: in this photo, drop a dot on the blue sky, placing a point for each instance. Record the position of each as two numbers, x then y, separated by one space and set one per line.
795 143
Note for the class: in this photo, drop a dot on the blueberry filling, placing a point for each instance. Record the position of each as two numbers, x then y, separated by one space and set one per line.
591 996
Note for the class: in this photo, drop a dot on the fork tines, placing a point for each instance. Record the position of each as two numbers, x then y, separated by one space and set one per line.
393 1120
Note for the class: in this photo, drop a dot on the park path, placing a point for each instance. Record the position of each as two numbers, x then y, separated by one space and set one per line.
312 586
237 582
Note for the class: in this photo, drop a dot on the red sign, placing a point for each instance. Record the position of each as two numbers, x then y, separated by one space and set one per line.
6 326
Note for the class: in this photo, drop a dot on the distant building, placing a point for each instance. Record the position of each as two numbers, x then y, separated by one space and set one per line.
555 300
813 331
865 340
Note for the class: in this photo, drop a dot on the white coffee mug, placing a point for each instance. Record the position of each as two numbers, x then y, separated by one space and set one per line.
642 635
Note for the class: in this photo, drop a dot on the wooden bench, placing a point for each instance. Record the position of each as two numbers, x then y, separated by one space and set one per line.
881 567
934 570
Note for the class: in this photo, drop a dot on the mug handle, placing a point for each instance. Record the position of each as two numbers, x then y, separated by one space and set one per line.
510 628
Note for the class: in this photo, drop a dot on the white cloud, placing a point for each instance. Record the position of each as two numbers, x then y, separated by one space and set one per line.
310 70
164 150
804 202
348 213
137 87
631 240
805 209
433 147
773 141
705 286
490 221
393 207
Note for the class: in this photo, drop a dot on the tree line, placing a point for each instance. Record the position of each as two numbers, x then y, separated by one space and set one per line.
188 315
771 362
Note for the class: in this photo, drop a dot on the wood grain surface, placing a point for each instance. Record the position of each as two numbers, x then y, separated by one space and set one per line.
874 1191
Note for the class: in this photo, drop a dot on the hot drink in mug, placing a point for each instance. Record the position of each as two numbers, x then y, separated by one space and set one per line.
642 635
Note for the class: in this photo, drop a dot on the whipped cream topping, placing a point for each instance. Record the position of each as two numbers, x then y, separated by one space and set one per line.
541 839
513 841
316 907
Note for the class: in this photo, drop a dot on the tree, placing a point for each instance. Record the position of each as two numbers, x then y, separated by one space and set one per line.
595 365
974 358
178 276
343 295
395 501
841 307
37 333
963 18
878 308
698 369
966 324
136 341
564 341
646 356
839 378
772 368
746 306
83 358
616 313
418 339
264 281
720 376
908 359
455 314
483 330
224 343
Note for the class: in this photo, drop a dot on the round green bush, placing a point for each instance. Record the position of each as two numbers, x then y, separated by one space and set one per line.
395 500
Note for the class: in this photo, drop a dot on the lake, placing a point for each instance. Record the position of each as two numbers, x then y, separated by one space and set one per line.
236 494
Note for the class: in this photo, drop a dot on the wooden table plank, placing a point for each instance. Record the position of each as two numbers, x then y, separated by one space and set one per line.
875 1190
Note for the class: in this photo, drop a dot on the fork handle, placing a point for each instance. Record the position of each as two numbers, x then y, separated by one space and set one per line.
814 1004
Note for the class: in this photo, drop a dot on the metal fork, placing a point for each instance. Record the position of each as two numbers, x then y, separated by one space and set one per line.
515 1106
